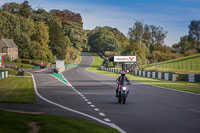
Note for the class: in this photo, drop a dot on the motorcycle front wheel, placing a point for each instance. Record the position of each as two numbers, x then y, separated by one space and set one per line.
124 98
119 97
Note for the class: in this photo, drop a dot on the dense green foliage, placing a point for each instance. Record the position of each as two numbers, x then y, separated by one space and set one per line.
190 44
102 40
40 34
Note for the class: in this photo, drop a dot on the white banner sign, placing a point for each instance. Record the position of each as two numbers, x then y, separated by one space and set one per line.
124 58
60 64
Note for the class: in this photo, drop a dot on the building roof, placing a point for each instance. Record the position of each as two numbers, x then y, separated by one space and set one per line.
9 43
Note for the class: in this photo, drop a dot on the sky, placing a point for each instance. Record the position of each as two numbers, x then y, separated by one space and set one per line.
173 15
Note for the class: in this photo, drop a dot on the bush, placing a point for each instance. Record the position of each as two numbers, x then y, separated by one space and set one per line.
18 60
26 61
106 63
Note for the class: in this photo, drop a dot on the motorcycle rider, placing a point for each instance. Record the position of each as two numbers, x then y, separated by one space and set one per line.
120 80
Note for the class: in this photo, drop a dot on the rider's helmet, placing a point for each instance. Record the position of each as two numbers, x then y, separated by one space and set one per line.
123 73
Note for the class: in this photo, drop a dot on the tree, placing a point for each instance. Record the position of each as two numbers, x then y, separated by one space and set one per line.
194 34
25 9
194 31
41 47
11 7
101 40
58 42
66 16
146 39
120 37
136 32
76 34
184 45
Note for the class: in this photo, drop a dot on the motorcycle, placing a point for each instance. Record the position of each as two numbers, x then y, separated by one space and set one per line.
123 92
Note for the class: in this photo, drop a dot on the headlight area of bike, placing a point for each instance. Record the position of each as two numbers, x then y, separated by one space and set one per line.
124 88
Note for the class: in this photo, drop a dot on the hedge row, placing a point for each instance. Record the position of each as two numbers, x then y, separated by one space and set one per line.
25 61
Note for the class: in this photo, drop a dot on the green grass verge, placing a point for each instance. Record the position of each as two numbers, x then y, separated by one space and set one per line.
14 72
178 85
20 64
17 90
12 122
189 64
98 61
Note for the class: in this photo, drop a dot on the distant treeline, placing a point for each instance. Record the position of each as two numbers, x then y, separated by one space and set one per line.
60 35
43 35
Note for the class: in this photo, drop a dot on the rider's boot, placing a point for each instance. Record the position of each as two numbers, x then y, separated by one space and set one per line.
116 92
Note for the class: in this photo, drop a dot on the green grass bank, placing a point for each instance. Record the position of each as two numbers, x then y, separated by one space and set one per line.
184 65
17 90
12 122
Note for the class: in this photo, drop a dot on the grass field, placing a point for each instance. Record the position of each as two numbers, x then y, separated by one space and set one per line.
189 64
178 85
17 90
12 122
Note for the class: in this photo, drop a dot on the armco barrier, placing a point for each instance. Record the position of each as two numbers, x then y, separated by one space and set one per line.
159 75
144 74
197 77
140 73
154 75
162 75
148 74
135 72
169 76
191 78
166 76
3 74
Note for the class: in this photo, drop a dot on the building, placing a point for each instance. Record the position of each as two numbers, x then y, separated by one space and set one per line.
9 47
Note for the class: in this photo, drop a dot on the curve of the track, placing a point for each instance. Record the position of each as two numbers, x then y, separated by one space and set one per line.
148 109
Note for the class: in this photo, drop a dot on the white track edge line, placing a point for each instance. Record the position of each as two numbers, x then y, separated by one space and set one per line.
80 113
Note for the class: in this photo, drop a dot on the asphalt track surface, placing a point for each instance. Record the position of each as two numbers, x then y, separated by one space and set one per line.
149 109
